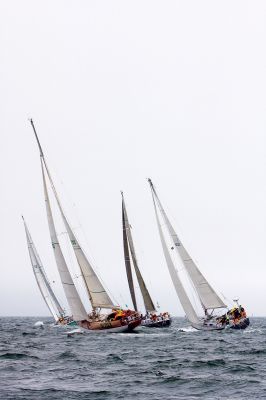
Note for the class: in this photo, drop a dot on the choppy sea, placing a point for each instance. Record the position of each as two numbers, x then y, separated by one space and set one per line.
169 363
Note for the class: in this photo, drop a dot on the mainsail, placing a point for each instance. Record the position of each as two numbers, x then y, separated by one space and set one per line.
41 279
129 245
77 309
208 297
96 292
181 293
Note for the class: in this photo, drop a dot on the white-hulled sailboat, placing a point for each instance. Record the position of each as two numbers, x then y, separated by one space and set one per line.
151 319
42 281
98 296
208 298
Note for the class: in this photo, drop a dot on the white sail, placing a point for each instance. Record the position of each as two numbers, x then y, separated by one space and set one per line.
208 297
128 260
97 294
77 309
41 279
183 297
149 306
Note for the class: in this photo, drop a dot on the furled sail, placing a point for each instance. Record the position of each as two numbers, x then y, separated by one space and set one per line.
77 309
97 294
181 293
41 279
128 242
208 297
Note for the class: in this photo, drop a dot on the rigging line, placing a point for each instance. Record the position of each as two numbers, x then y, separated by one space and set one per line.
176 224
140 251
72 261
184 276
91 258
56 195
75 214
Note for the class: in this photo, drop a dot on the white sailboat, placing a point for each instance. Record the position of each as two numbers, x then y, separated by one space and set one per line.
42 281
208 298
97 294
150 319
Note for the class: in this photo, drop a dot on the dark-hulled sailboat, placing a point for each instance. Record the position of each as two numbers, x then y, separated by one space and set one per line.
151 319
117 321
209 300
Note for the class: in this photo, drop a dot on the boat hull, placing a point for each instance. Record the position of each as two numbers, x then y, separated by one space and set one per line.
157 324
118 326
243 324
202 327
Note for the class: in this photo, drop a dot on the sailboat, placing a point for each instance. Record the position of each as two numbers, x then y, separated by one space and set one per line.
47 293
117 321
151 319
209 300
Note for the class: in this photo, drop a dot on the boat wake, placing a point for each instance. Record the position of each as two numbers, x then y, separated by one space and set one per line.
74 332
187 329
136 334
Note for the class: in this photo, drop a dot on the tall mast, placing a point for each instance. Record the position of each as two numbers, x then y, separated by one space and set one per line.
178 285
36 136
128 243
207 296
96 292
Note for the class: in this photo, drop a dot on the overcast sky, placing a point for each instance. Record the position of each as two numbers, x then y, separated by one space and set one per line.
121 91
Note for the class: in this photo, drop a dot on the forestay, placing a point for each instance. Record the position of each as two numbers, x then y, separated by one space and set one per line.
41 279
77 309
208 297
183 297
149 306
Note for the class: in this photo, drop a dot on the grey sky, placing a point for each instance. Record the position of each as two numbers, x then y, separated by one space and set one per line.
121 91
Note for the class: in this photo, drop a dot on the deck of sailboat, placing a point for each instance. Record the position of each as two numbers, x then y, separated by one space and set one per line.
163 323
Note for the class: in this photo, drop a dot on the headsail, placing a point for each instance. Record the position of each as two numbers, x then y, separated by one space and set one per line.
181 293
97 294
41 279
127 260
208 297
77 309
128 244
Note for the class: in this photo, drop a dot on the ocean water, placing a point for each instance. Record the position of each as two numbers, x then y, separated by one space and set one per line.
170 363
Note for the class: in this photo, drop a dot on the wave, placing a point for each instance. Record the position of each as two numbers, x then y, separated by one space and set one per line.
16 356
29 334
209 363
67 355
114 357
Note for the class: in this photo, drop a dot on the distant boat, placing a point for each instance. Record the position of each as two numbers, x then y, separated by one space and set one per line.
208 298
151 319
98 297
47 292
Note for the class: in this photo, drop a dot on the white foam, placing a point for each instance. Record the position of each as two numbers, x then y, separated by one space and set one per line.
188 329
38 324
77 331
